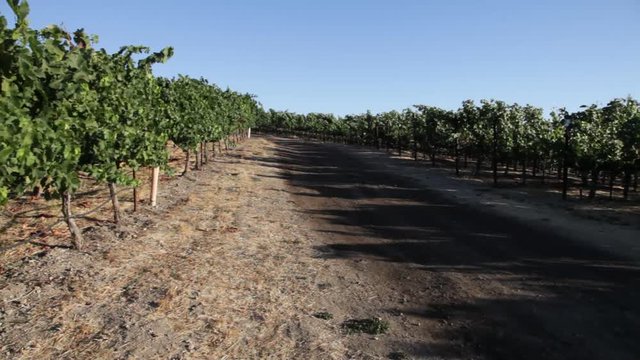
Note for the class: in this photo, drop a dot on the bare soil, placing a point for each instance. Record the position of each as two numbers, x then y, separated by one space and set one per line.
457 273
269 250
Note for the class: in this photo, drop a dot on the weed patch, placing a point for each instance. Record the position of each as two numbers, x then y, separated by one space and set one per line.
372 326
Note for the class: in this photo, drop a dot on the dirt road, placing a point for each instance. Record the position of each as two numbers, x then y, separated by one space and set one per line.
455 281
241 258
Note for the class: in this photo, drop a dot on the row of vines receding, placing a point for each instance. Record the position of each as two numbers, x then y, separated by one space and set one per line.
581 148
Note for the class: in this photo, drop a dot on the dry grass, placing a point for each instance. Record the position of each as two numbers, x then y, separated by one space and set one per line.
220 270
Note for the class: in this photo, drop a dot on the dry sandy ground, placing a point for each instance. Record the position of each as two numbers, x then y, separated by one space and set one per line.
456 277
240 256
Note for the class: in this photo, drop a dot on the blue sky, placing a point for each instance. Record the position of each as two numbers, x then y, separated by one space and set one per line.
347 56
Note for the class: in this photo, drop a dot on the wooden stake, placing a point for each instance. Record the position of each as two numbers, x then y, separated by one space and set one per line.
154 185
135 194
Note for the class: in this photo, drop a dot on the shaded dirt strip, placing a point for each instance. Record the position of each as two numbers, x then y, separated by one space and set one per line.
455 281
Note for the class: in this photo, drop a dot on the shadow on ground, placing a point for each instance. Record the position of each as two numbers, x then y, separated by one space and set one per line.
565 300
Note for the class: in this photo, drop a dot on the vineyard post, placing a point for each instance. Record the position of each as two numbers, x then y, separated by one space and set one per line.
154 185
414 133
135 194
456 153
565 159
494 152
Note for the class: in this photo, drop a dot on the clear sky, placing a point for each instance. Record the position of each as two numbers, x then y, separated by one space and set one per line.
347 56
